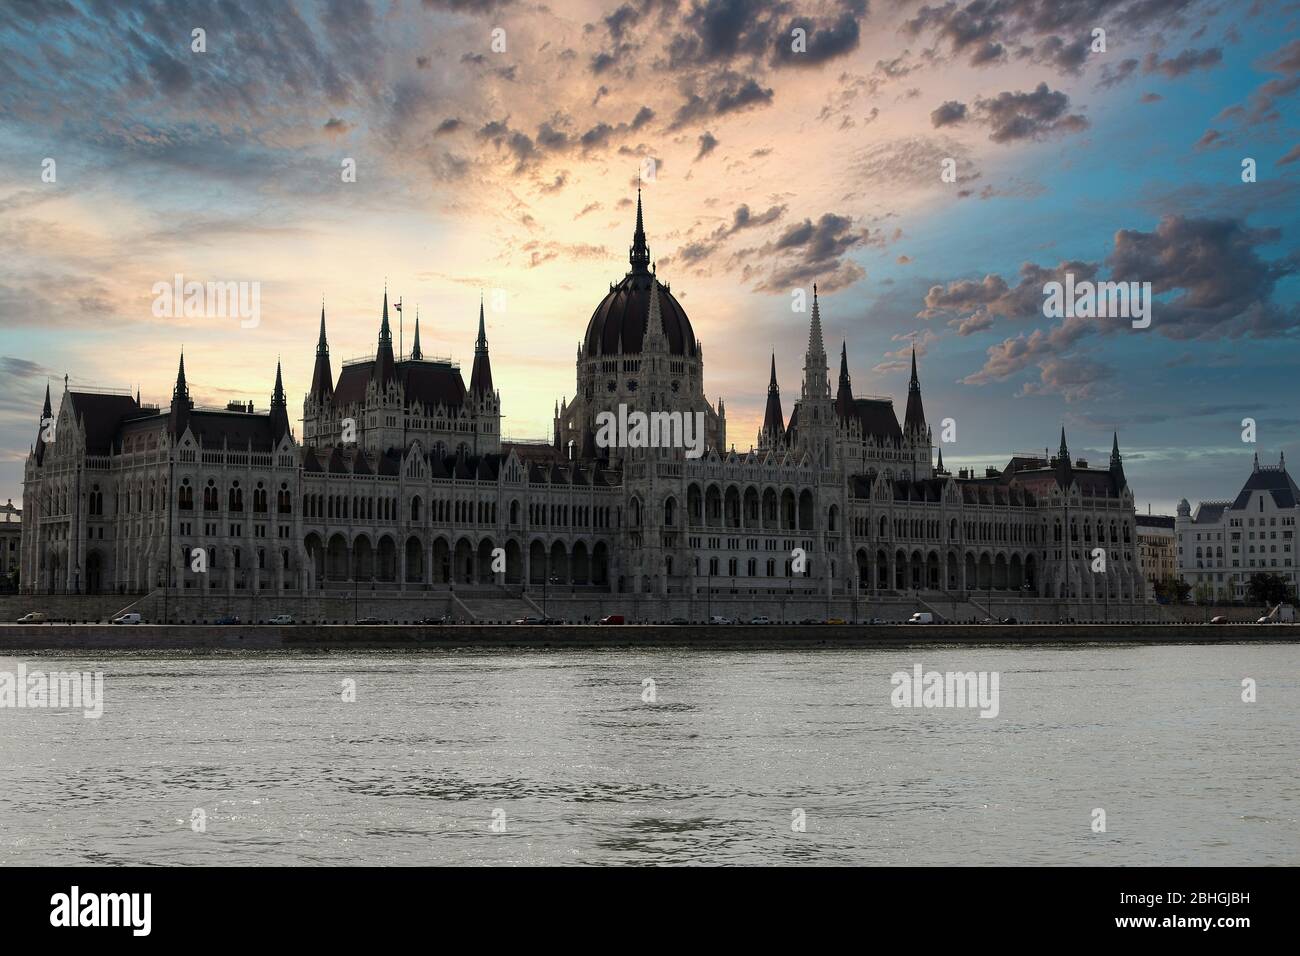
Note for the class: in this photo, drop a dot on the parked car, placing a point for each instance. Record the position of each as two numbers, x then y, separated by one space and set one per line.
679 620
921 617
836 620
1219 619
33 617
281 619
1009 620
612 619
371 620
719 619
131 617
228 619
531 620
877 621
760 619
811 620
445 619
554 620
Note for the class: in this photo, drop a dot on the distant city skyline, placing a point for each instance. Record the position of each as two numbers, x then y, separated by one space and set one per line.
514 173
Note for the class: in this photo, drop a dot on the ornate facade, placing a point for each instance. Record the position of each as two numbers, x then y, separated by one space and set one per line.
403 482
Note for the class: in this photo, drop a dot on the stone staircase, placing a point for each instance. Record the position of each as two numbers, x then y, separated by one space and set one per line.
499 605
951 608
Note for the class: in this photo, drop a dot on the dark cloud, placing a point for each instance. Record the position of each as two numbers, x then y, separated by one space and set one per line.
1113 77
808 251
336 127
949 113
1262 104
702 249
1291 156
1074 378
1065 57
1017 116
1213 284
450 125
726 93
1183 63
708 143
823 43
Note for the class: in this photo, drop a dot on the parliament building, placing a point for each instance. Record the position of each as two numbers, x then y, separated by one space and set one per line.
402 488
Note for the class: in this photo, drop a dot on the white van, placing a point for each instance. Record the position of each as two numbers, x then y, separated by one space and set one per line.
131 617
921 617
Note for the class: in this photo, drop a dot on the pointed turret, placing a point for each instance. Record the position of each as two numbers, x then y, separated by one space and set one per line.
844 394
938 468
814 365
416 354
480 380
639 254
1064 470
46 415
322 376
385 366
654 339
279 407
1117 463
773 419
914 420
182 404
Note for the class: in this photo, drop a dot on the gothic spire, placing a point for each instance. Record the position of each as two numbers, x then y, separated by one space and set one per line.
639 255
844 394
277 394
279 407
816 344
773 419
322 376
416 353
480 380
385 366
1064 471
182 405
915 417
46 415
182 389
1116 462
321 344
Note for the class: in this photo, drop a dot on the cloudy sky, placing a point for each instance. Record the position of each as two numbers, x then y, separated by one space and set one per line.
497 147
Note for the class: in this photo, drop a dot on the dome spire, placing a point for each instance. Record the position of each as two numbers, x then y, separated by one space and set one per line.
639 254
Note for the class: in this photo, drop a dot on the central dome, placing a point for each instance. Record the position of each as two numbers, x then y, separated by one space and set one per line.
618 325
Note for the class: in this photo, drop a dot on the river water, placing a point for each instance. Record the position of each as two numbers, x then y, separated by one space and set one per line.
554 757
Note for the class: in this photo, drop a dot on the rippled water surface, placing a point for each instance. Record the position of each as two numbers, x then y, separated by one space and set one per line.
583 771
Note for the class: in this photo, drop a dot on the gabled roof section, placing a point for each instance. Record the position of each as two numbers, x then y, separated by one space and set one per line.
1276 481
101 416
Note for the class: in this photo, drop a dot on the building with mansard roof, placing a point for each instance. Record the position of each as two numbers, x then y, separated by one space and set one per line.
402 484
1221 544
